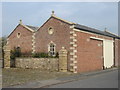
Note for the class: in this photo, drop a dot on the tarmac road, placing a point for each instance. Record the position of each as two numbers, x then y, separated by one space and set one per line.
104 80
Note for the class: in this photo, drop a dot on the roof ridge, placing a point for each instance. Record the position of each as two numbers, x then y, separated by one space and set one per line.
34 28
27 27
62 19
111 33
31 26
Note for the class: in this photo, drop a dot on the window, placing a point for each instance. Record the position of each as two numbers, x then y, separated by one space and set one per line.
18 35
51 49
50 30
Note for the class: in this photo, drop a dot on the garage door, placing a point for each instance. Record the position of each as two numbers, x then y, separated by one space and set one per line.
108 53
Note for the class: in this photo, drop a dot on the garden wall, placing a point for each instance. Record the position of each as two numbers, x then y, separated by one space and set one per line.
41 63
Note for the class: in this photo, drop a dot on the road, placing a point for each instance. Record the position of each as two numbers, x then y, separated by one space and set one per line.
104 80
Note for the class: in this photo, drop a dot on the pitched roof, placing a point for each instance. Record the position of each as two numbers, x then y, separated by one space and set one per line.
53 16
89 29
28 27
33 27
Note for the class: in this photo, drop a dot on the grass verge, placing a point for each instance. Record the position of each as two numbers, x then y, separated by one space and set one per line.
15 76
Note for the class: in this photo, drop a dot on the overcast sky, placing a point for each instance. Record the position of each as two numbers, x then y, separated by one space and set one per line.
99 15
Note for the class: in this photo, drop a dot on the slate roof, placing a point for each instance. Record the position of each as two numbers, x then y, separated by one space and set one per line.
32 27
88 29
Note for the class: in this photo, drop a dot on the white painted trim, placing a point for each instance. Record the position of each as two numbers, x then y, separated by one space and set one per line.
71 32
75 62
72 37
34 46
72 59
72 26
96 38
75 50
75 67
72 42
75 56
72 64
74 34
28 28
72 53
72 48
32 40
75 71
63 20
74 45
33 36
71 69
7 41
51 42
75 40
90 33
33 43
18 36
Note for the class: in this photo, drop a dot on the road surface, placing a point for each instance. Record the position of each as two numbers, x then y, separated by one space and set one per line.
104 80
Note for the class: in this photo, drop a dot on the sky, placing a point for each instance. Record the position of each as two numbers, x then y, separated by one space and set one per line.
99 15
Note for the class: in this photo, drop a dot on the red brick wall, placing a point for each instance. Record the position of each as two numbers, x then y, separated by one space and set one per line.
25 40
89 54
61 36
117 52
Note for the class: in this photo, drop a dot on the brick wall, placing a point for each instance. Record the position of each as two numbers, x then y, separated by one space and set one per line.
89 52
117 52
60 36
25 40
41 63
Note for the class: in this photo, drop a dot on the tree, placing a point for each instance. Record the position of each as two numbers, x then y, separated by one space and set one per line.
3 41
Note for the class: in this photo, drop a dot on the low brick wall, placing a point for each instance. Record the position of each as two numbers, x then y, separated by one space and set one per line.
42 63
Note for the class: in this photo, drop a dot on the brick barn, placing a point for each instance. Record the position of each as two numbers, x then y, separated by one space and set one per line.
88 49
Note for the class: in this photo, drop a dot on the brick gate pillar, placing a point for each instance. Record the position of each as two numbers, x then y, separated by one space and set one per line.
63 60
6 57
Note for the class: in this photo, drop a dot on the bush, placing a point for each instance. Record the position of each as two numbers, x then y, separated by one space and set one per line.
26 54
44 55
15 53
40 55
57 55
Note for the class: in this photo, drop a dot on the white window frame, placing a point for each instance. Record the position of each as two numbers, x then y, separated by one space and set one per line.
49 48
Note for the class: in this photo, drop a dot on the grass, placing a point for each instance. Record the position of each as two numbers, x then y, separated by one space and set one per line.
15 76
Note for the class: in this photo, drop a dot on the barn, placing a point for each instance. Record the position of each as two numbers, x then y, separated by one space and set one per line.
88 49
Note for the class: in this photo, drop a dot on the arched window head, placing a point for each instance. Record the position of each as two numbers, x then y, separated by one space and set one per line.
51 49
